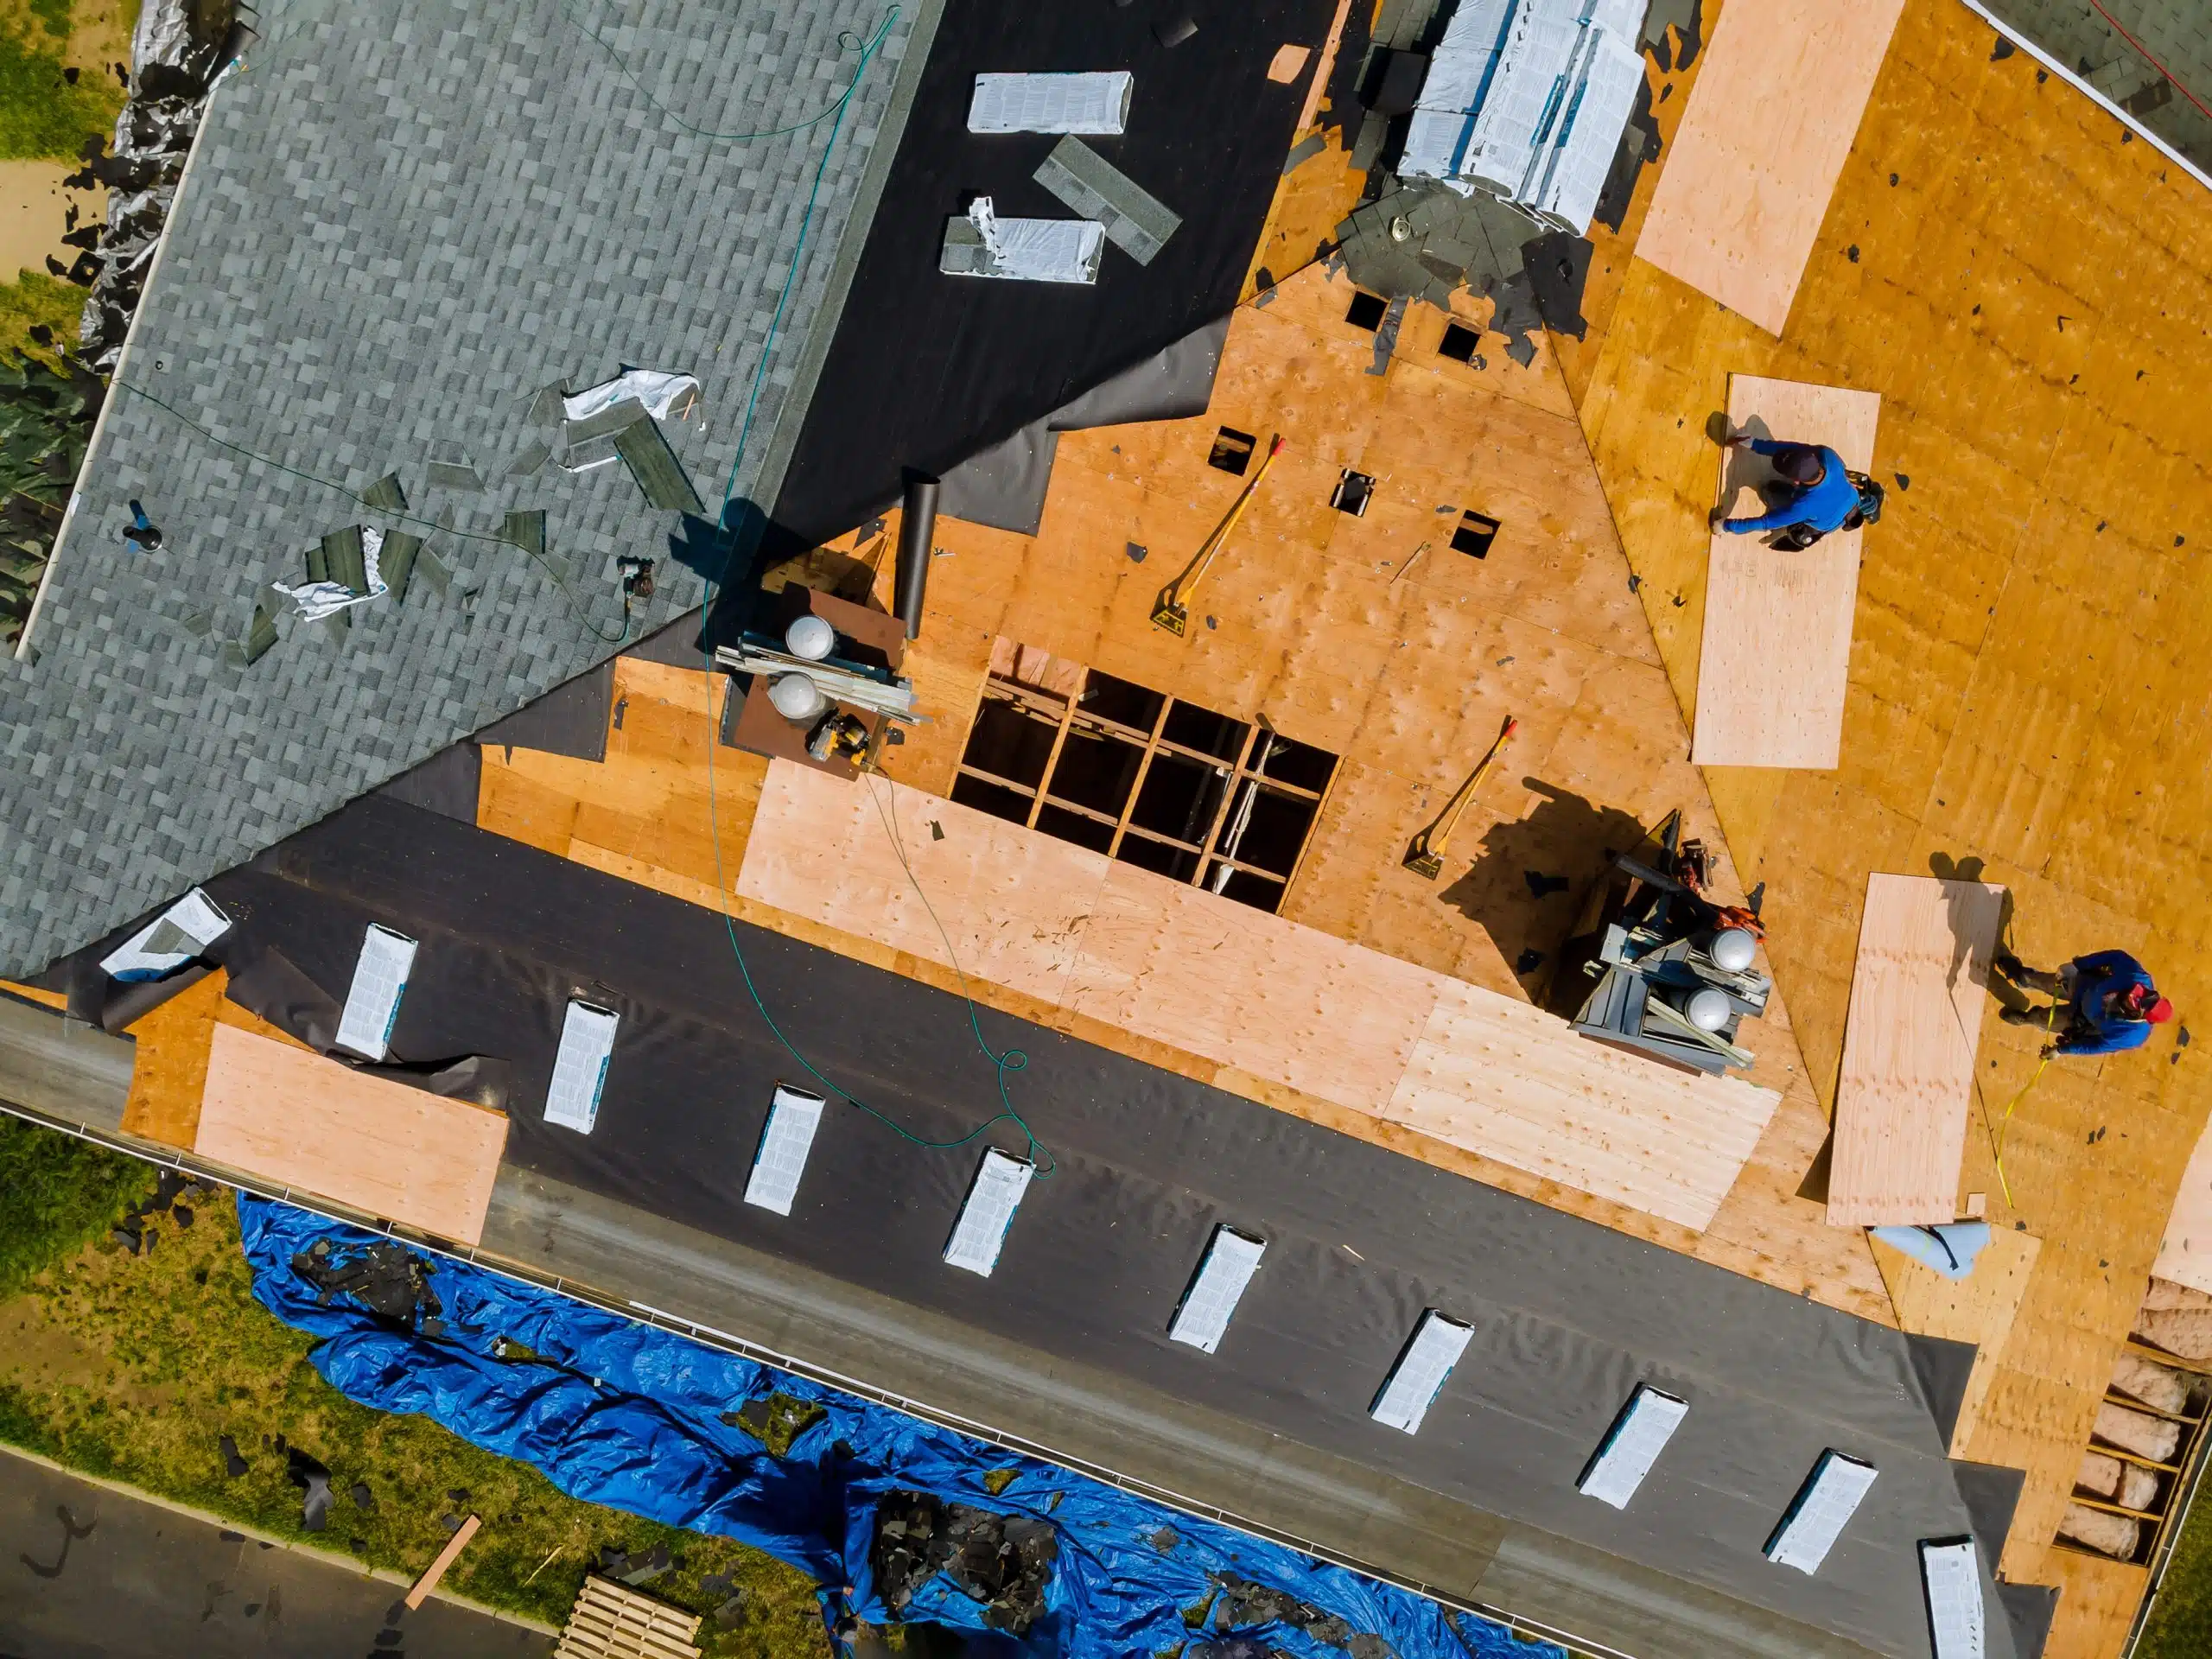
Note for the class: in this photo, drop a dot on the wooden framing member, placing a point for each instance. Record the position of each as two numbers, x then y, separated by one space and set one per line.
1015 679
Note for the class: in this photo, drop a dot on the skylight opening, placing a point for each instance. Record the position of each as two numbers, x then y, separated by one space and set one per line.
1202 1316
372 1001
786 1140
977 1238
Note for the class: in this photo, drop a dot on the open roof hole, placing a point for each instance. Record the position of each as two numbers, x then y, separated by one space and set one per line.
1474 534
1353 492
1459 343
1232 450
1010 742
1096 772
1366 311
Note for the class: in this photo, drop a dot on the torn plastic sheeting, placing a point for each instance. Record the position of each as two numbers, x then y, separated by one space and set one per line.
666 397
981 243
629 1415
316 600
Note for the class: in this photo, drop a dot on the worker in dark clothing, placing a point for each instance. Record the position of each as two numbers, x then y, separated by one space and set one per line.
1813 494
2108 1003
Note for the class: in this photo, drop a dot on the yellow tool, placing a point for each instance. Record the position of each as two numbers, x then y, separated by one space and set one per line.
1425 857
1172 609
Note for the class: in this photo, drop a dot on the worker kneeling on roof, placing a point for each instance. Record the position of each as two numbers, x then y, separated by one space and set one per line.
1814 493
2108 999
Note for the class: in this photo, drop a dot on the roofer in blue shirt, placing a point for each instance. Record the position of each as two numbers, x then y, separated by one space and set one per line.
1811 494
2108 999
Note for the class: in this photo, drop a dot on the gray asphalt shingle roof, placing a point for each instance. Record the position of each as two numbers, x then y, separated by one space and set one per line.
401 223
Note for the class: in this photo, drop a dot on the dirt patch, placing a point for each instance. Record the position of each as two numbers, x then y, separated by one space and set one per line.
36 213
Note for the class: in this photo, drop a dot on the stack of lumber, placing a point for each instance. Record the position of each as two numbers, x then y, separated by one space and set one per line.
611 1621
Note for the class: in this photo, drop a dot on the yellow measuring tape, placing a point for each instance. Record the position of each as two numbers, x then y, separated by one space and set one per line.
1997 1130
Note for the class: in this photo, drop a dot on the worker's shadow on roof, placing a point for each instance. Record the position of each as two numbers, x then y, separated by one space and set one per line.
1528 887
1742 469
1964 919
731 557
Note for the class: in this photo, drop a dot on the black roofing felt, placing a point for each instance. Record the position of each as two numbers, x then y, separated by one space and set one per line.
926 369
1568 1316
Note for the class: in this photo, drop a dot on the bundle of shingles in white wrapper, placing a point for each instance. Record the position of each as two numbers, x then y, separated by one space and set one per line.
1114 207
1527 99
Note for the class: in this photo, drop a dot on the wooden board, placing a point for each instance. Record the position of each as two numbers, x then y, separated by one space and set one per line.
1281 1002
436 1570
1917 993
1745 185
2185 1246
1511 1081
294 1118
1980 1309
170 1070
2097 1599
1776 655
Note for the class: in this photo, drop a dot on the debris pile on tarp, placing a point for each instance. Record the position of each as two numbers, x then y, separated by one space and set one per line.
385 1278
178 48
1003 1562
639 1418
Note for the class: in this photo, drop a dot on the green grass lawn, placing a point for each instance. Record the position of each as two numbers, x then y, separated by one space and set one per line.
46 109
2181 1624
34 298
135 1366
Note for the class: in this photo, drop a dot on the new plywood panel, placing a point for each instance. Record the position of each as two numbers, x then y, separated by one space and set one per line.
1281 1002
1979 1309
1776 655
1771 117
2097 1599
2185 1248
1917 998
1510 1081
297 1119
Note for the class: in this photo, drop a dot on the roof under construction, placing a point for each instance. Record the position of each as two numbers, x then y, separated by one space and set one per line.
1160 833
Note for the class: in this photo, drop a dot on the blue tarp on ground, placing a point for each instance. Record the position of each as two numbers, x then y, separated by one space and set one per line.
631 1416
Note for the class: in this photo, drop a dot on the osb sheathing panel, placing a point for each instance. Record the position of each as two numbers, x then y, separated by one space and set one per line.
2097 1599
2028 694
169 1067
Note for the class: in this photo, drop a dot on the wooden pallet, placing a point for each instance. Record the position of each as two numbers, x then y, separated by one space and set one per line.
611 1621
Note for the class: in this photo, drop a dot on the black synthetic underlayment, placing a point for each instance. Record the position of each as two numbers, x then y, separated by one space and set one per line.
265 981
2029 1608
1005 486
570 719
1944 1367
448 782
925 370
1568 1316
1991 1492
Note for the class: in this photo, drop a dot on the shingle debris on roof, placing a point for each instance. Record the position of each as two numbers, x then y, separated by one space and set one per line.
452 208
